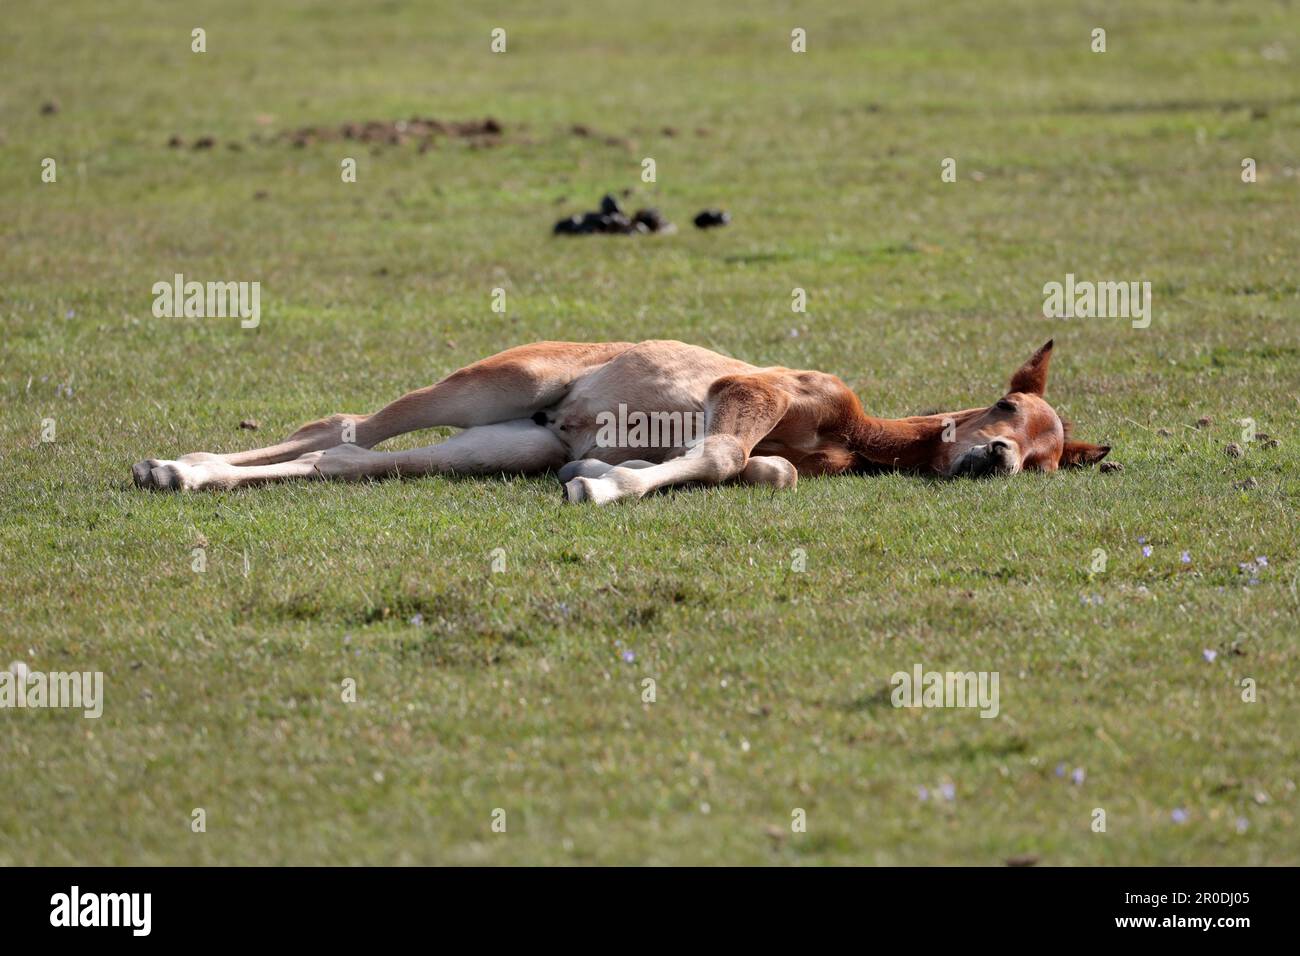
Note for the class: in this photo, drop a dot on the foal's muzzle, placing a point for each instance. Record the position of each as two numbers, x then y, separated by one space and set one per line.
997 457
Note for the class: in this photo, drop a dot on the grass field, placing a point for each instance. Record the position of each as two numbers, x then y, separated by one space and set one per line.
514 690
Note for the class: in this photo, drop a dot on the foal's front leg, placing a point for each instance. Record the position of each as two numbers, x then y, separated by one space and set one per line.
741 410
770 470
521 447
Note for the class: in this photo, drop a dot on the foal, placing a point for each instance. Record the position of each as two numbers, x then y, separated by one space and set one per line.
546 406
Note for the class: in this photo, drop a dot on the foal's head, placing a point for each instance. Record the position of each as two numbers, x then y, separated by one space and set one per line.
1018 432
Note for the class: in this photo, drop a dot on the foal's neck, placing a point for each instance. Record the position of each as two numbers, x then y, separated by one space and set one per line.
907 444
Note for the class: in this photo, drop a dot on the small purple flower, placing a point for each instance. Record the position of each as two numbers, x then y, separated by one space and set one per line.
1185 558
629 656
1146 550
71 313
417 620
1262 561
1242 824
1179 815
1078 776
1142 539
949 791
1060 770
1209 655
1253 581
922 794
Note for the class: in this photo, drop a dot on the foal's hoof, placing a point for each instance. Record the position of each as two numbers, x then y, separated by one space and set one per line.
574 492
166 477
597 491
141 472
583 491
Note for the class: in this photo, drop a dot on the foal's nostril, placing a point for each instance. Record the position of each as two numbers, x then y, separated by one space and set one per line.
999 444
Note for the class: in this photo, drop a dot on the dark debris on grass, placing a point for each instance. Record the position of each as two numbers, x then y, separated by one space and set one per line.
610 219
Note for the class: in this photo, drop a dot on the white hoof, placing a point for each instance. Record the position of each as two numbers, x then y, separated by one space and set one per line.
597 491
615 484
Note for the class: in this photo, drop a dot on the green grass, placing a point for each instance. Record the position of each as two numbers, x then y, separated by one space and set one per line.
223 688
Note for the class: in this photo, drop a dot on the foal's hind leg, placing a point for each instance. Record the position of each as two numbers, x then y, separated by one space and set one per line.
517 447
513 384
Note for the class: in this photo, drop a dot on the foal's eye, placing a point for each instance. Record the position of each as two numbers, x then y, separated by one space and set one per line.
1006 405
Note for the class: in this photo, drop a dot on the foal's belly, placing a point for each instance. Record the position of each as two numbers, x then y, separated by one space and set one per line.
621 426
647 403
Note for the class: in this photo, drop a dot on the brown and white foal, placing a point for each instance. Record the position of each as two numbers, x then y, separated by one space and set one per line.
538 408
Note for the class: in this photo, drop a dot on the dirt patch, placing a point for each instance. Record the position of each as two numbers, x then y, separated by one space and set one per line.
423 130
202 142
487 131
583 131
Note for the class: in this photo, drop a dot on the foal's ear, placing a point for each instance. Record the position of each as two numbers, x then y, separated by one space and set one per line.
1076 454
1031 378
